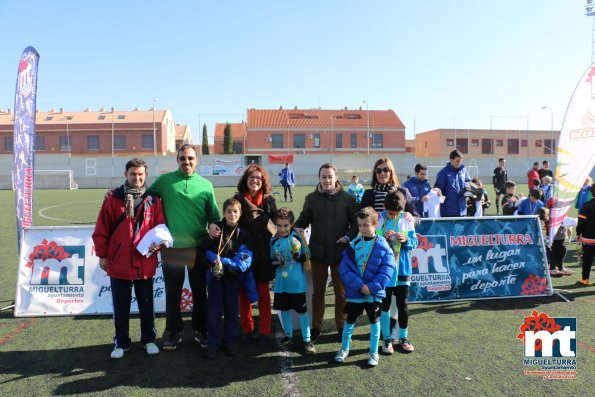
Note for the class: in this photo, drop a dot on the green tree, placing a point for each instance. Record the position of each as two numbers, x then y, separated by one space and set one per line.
227 139
205 140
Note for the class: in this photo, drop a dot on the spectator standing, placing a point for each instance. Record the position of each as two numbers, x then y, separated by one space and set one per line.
532 175
545 170
330 211
452 180
419 187
356 189
258 210
287 181
189 204
499 180
125 217
586 230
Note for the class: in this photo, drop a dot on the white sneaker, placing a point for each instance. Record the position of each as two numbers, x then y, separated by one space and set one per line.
118 352
341 356
151 348
373 359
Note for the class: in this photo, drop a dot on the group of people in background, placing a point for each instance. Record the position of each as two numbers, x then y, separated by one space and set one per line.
362 237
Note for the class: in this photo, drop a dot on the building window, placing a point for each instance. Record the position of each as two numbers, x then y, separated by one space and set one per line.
486 146
49 118
538 143
378 141
64 143
277 141
39 142
119 142
450 142
463 145
8 143
93 142
524 143
353 142
238 147
499 142
425 144
513 146
147 141
299 141
101 117
121 116
316 140
549 146
475 142
339 141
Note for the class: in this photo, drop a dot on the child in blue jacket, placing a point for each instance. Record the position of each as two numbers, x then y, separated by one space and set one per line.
367 266
288 255
228 257
400 234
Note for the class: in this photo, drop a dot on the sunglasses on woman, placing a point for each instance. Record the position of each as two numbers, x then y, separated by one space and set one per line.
386 170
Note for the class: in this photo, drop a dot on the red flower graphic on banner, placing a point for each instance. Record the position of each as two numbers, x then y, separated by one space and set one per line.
186 301
534 285
423 244
538 322
47 250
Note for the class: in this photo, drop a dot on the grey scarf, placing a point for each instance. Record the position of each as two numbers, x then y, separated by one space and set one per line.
130 195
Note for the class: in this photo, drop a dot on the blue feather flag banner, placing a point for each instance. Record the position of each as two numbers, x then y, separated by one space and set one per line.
24 139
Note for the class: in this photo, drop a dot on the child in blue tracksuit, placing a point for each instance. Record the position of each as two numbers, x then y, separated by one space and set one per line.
228 257
356 189
367 266
288 254
400 234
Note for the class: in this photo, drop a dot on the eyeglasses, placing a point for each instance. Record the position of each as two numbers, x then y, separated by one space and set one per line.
189 158
256 178
379 171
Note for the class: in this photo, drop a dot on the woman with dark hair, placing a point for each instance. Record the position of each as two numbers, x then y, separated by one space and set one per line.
385 179
258 210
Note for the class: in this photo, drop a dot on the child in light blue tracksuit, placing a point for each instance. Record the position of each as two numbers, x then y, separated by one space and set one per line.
401 236
367 266
288 254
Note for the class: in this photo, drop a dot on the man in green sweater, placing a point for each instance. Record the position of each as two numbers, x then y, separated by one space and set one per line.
189 204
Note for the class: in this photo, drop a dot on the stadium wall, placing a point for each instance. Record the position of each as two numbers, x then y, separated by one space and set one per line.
103 171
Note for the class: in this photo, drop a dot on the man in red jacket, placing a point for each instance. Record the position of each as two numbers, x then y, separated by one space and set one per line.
532 175
125 217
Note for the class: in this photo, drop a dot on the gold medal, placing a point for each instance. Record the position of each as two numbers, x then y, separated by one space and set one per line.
284 274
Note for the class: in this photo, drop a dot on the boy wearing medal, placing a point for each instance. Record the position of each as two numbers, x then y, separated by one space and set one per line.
288 255
367 266
228 257
400 234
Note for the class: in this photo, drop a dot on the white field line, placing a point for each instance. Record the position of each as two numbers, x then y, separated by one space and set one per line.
41 212
289 378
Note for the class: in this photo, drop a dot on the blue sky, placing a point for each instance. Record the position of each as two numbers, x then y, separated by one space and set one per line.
438 64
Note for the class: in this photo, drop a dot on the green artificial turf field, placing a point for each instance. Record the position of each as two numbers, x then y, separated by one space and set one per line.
461 348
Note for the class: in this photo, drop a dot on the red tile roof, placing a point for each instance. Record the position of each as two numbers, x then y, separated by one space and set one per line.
319 118
238 130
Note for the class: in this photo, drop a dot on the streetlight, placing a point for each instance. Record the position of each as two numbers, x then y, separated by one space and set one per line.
155 140
368 133
551 128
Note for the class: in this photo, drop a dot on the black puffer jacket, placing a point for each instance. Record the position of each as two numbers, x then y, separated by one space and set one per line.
331 216
255 220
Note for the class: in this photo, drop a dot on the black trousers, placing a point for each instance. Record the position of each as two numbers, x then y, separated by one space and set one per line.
588 254
285 189
121 296
173 276
401 293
